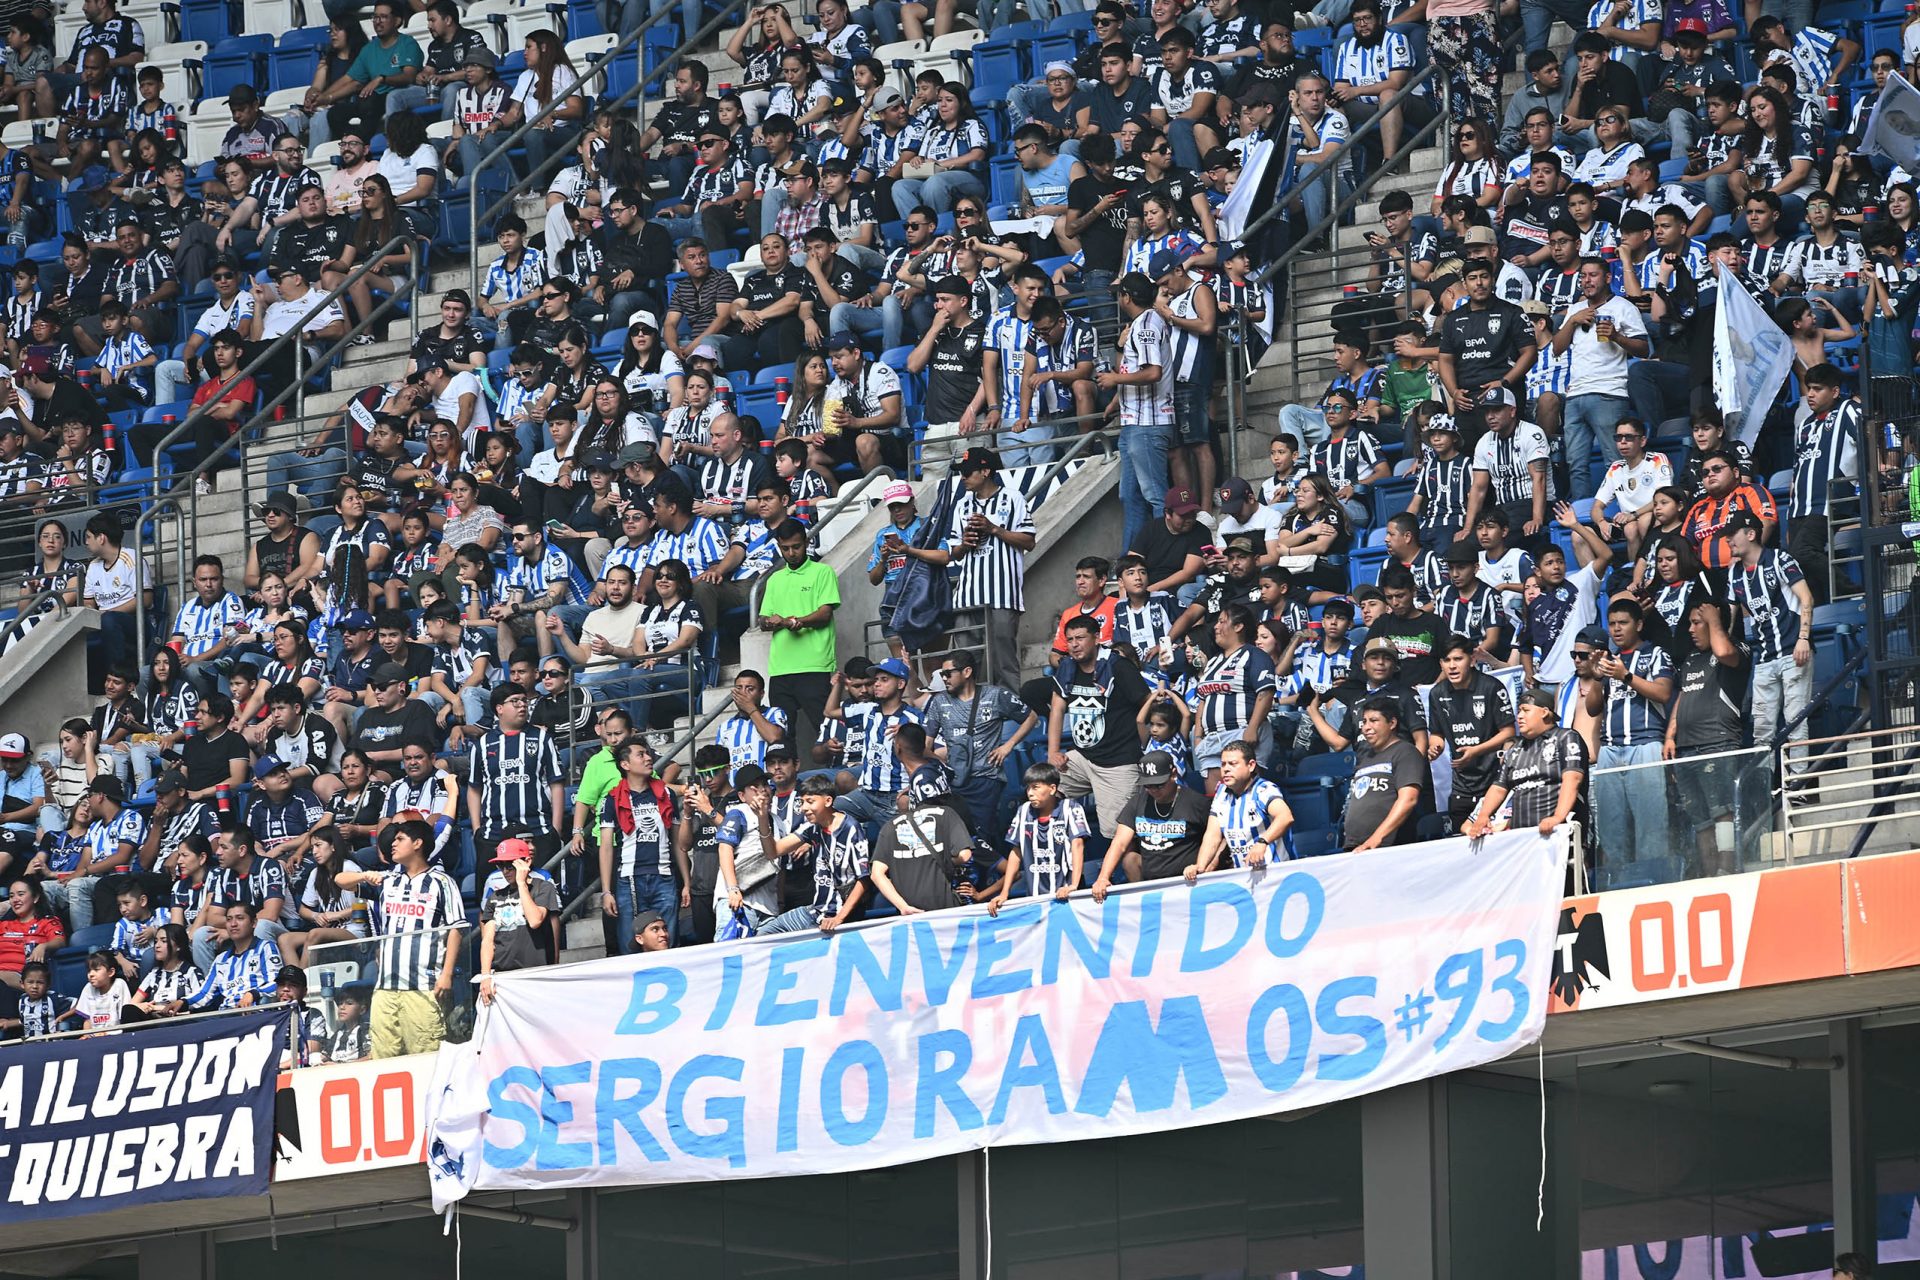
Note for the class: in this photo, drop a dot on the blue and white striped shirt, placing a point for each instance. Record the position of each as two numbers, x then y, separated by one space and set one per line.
123 352
1313 665
1045 844
742 739
1144 626
1012 338
505 283
1632 719
1826 459
1244 816
103 839
1638 11
201 625
1811 57
236 973
537 577
1364 65
701 544
880 769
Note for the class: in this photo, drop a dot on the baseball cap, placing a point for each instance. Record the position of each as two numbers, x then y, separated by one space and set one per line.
883 98
644 919
1059 69
1462 552
1156 767
1181 502
928 782
480 56
1137 287
1379 644
11 426
638 451
1164 262
706 351
13 746
898 491
749 775
1696 25
279 500
599 460
1538 697
388 672
1443 422
978 459
954 285
1535 307
356 620
1236 489
1479 235
842 339
892 667
646 318
266 765
1242 543
511 850
108 786
780 751
1496 395
169 782
1220 158
1740 520
1593 638
432 365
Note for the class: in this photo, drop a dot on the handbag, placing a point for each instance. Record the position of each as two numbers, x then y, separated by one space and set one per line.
922 596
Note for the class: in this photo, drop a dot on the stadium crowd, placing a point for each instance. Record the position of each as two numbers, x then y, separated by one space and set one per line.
1511 559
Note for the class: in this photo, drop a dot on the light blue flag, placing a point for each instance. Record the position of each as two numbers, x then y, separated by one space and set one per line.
1893 130
1751 357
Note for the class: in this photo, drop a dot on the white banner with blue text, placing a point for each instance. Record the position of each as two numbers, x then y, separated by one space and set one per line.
1249 993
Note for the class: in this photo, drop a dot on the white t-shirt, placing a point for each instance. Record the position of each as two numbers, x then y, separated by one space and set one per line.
101 1009
523 90
616 626
284 317
110 586
1264 523
402 172
1633 486
448 404
1556 664
1600 368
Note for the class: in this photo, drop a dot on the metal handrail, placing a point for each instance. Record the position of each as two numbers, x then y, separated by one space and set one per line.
498 153
27 616
294 337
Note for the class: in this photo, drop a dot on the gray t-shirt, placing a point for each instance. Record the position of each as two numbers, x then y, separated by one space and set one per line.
1378 777
514 945
972 729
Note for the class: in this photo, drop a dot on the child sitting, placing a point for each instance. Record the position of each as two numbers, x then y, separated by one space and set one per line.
40 1011
350 1040
106 994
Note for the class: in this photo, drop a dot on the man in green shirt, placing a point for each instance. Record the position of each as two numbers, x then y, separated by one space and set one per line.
389 61
797 607
598 776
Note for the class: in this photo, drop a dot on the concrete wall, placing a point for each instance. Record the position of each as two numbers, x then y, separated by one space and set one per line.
43 678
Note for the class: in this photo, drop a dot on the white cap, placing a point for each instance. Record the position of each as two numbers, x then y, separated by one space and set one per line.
12 746
646 318
898 491
706 351
1053 67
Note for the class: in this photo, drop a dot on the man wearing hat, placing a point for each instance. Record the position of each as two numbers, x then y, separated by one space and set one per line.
1142 383
952 354
749 867
456 397
869 391
24 808
451 48
513 918
1468 606
1241 512
1336 714
1157 833
281 815
1484 345
289 548
394 721
113 841
650 933
232 307
22 474
1766 586
917 853
713 201
889 556
1545 772
879 772
1238 582
1512 469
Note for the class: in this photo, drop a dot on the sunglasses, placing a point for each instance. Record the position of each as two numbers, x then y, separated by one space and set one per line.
1607 120
551 675
522 537
1625 435
551 297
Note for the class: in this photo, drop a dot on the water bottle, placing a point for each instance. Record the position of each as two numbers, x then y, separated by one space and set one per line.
326 985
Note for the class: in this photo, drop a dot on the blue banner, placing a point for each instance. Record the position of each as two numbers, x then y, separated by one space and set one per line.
171 1111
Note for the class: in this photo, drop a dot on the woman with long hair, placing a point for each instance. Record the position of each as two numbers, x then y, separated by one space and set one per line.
1318 528
805 417
612 424
30 930
799 94
671 627
174 976
52 572
345 38
168 700
687 437
549 77
652 375
380 221
1678 585
466 521
412 169
578 371
956 146
1237 693
356 805
1472 170
1778 156
325 906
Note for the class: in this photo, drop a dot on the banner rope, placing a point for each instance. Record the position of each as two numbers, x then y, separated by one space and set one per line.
1540 1201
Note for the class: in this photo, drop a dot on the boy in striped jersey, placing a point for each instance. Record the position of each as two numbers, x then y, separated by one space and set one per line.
1048 838
243 974
1249 819
837 847
751 727
422 922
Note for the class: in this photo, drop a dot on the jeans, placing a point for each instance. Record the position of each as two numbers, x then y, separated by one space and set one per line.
1032 446
1319 190
1587 423
421 95
867 321
1781 689
1186 151
918 313
644 891
679 228
1143 476
1309 425
868 260
981 792
1631 806
881 19
938 192
797 920
169 376
1659 389
870 808
1795 13
289 469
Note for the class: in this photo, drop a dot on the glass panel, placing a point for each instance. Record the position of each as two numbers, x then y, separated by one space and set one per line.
883 1224
339 970
409 1250
1271 1198
1693 1168
1659 822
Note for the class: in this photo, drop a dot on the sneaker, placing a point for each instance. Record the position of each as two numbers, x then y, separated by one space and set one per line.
203 485
362 340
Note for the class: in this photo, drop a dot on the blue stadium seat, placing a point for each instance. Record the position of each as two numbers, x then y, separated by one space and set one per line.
1067 22
1003 174
292 66
1337 765
210 21
583 20
1363 566
236 60
1053 47
998 66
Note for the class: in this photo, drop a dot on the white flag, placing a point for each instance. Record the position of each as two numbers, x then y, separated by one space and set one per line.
1893 130
1751 357
1239 209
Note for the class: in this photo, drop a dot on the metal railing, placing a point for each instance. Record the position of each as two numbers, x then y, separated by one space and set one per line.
1669 820
295 340
476 217
1839 791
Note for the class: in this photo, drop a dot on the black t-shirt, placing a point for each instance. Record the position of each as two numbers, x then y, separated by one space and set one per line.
1707 716
1276 76
1110 111
1102 709
1167 837
460 348
311 247
921 848
764 288
444 56
1466 718
953 375
69 399
1485 345
416 658
1102 239
1415 639
1177 185
682 122
1378 777
1060 123
382 730
374 475
1166 551
206 757
847 280
1617 85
